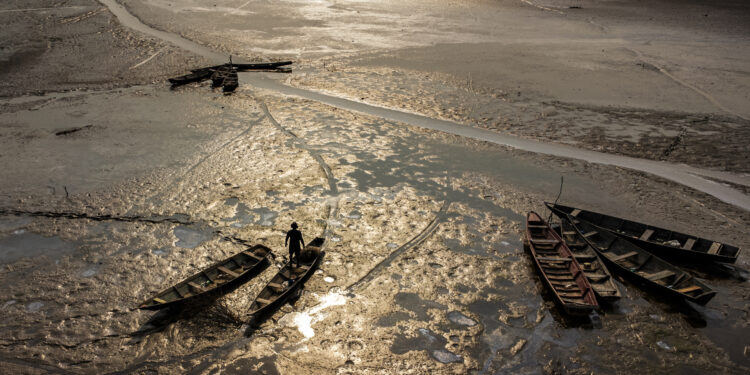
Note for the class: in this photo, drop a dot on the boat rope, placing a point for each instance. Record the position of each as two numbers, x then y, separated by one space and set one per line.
148 59
556 199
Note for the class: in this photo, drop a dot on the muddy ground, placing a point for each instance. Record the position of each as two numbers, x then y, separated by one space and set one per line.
112 193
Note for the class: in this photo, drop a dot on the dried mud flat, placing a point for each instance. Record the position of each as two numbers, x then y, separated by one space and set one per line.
465 299
110 195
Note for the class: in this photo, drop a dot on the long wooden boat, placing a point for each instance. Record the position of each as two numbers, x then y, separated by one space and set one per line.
287 280
593 267
202 74
215 278
254 66
559 269
662 242
644 267
196 75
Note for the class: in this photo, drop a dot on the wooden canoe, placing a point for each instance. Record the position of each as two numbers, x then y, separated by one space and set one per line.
219 276
287 280
231 82
195 76
662 242
253 66
593 267
558 268
642 266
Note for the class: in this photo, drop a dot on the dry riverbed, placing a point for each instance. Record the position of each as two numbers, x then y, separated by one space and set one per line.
113 192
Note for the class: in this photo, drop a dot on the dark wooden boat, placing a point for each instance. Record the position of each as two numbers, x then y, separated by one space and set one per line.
593 267
218 277
639 264
559 269
196 75
287 280
218 75
662 242
230 81
255 66
202 74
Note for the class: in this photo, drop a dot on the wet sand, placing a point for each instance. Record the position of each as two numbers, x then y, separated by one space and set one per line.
109 195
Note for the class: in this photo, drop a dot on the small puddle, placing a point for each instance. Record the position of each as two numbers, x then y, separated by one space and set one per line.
34 306
428 341
189 238
23 244
461 319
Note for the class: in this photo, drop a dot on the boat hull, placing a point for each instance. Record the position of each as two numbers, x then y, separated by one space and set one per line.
260 310
558 268
641 266
212 281
636 232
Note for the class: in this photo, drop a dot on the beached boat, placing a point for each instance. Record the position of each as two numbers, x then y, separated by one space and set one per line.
196 75
215 278
210 72
558 268
642 266
593 267
662 242
254 66
230 81
287 280
218 75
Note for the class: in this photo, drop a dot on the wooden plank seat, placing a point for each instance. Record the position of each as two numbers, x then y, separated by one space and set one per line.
252 255
570 294
276 286
263 301
544 241
227 271
689 244
575 212
554 259
558 271
597 277
646 235
561 277
660 275
584 256
715 247
178 292
196 286
689 289
159 300
536 226
615 258
589 234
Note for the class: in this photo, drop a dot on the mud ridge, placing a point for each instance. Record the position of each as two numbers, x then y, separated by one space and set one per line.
415 241
155 219
323 165
40 365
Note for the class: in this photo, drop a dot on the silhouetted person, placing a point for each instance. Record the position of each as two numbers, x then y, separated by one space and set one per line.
294 238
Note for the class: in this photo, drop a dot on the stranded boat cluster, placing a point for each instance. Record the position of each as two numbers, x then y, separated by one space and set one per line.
237 269
573 258
225 75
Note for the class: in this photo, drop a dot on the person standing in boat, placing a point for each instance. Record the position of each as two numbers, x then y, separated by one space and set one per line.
294 238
